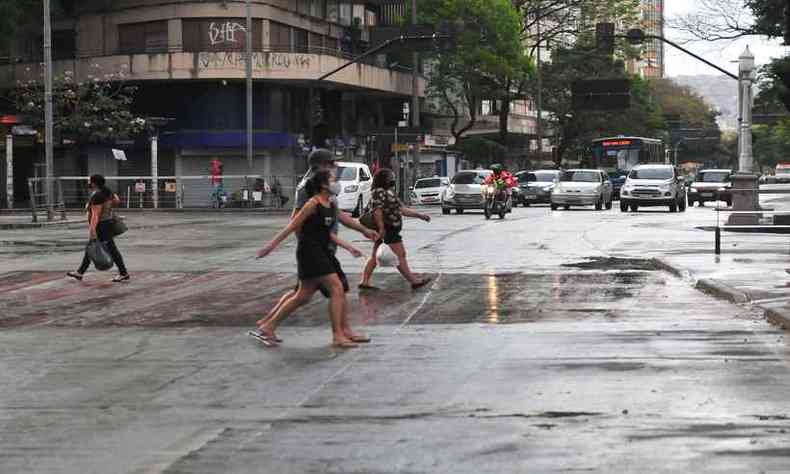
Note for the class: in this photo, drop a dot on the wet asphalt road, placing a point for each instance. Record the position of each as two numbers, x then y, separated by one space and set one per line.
548 342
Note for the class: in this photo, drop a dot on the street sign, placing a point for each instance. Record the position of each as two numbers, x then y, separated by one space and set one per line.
400 147
601 94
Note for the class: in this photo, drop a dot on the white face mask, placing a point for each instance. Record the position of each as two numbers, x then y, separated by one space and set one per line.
335 188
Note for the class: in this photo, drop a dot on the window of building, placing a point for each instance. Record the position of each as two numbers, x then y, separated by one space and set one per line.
64 44
316 43
279 37
318 8
220 34
345 14
300 40
303 6
150 37
333 11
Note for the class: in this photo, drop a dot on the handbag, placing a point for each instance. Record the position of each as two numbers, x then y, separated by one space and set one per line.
118 226
367 219
98 254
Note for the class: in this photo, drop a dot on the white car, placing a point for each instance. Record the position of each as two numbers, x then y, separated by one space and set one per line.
465 191
355 182
653 185
582 187
429 190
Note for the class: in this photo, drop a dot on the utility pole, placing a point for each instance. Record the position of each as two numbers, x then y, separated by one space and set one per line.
415 101
48 113
248 62
539 80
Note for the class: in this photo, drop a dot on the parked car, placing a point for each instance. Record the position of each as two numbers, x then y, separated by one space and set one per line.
653 185
429 190
582 187
534 187
711 185
618 180
355 182
465 192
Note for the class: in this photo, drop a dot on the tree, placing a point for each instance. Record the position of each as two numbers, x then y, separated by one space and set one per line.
716 20
18 16
487 62
96 110
574 129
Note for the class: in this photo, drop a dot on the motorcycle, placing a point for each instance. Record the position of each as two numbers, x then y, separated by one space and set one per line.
496 198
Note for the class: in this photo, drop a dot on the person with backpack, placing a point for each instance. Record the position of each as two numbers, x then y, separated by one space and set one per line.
101 227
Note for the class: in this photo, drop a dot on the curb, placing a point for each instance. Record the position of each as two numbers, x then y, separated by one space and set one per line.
777 318
722 291
710 286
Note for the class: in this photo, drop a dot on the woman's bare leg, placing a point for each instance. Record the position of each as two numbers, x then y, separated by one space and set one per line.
280 303
301 297
403 266
367 274
337 301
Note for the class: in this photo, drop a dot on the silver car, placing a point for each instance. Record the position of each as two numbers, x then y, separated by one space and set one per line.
465 191
582 187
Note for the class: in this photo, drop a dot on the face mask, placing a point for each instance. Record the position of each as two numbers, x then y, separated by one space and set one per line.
392 183
335 188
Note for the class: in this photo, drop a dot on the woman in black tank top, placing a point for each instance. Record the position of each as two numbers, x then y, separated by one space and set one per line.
316 262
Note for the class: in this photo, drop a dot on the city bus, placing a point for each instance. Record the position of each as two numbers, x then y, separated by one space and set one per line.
622 153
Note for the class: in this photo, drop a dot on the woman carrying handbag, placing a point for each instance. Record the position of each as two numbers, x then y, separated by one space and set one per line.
103 227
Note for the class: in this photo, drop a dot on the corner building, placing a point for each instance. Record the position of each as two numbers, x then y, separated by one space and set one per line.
188 60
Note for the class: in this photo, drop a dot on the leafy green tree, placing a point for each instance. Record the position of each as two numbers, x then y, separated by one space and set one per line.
487 62
96 110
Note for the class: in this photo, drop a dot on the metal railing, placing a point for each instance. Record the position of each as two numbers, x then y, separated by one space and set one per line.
178 192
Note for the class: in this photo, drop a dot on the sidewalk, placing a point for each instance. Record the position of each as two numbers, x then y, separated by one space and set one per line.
25 221
753 269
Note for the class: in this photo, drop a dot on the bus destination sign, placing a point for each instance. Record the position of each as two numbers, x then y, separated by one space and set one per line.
617 143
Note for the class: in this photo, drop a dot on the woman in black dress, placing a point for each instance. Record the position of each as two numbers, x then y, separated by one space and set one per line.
316 262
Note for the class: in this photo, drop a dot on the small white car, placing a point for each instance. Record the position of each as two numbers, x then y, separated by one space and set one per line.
582 187
356 184
429 190
465 191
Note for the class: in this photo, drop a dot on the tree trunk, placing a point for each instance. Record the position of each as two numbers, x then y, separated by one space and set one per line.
504 116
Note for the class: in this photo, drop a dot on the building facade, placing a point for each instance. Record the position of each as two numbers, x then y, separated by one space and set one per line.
188 59
651 64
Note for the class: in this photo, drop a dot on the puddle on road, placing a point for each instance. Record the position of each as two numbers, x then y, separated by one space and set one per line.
613 263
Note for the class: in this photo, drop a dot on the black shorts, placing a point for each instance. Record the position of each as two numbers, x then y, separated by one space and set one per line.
392 236
343 279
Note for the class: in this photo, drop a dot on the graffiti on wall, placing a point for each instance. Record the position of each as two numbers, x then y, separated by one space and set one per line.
224 33
267 61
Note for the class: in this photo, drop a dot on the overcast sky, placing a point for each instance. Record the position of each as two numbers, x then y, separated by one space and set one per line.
720 53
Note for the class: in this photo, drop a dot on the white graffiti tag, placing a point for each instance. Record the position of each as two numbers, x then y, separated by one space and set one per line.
224 32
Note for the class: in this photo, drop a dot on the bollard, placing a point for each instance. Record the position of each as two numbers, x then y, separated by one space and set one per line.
717 248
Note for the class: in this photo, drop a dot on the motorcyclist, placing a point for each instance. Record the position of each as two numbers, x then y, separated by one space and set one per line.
502 180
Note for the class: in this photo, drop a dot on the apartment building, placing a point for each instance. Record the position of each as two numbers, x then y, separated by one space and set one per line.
188 59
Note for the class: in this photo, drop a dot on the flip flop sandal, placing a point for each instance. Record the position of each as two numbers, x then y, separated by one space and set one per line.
368 287
275 338
263 339
75 275
345 345
361 339
419 285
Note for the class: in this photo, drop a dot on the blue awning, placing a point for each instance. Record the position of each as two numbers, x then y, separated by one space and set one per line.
226 139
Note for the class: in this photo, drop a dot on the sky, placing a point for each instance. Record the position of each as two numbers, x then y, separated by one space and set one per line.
719 53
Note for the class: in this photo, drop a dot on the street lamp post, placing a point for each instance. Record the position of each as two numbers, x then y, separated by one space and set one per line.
745 195
48 113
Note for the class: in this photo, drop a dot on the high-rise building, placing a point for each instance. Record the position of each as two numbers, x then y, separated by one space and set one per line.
652 63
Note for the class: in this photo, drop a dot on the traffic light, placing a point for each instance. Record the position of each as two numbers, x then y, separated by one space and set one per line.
604 38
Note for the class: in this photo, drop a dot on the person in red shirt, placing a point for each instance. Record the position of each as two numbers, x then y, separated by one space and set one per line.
501 178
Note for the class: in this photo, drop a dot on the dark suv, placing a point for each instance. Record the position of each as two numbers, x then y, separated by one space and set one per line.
711 185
